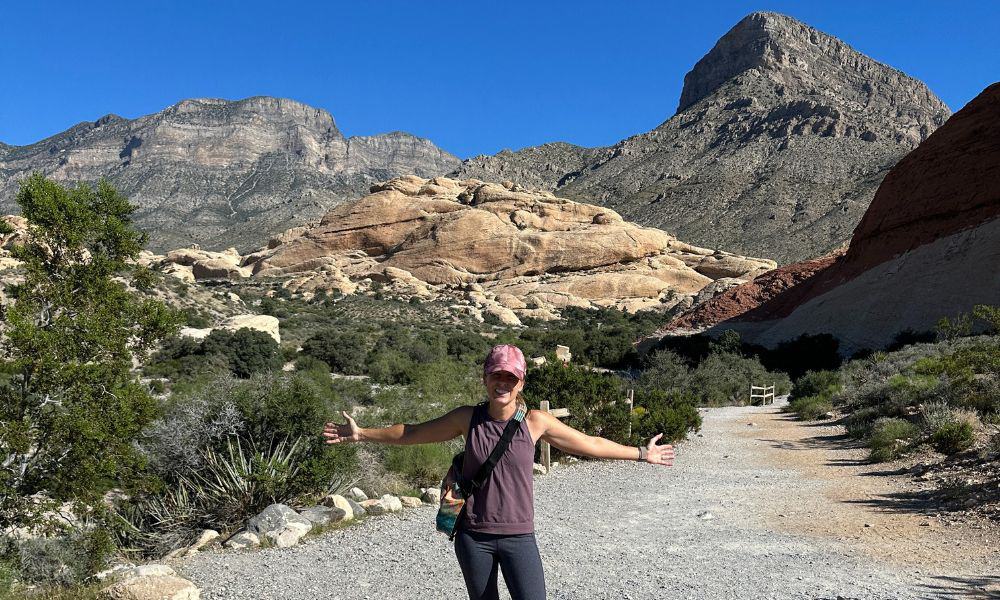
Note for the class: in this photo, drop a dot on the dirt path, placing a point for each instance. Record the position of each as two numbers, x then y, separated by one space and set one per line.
776 509
873 508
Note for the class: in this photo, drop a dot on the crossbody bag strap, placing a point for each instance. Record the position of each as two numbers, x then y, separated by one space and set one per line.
498 451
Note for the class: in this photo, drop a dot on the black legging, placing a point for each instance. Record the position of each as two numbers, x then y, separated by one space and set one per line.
479 555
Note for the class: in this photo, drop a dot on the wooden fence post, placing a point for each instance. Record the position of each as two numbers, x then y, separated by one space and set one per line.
546 450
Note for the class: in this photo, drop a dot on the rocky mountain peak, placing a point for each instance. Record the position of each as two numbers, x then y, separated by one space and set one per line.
798 60
253 110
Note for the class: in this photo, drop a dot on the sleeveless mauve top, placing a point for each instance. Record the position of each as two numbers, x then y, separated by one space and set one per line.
505 503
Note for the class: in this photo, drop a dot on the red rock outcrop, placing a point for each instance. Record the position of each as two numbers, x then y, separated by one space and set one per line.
927 247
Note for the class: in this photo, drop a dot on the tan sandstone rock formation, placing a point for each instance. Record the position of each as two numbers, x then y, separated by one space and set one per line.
505 250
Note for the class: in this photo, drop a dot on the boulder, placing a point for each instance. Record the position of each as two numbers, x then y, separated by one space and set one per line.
356 508
431 495
338 501
357 494
243 539
265 323
218 269
195 333
280 524
391 503
374 507
206 538
410 502
151 587
320 516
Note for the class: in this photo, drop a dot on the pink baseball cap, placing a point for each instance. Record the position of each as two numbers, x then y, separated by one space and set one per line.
505 357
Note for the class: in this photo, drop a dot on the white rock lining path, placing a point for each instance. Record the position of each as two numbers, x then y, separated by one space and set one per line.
702 530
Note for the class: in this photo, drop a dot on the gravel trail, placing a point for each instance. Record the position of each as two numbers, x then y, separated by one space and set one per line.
703 529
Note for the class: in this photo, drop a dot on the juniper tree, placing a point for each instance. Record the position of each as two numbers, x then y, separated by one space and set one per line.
71 403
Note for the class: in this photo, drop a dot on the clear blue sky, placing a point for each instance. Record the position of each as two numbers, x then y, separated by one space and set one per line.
474 77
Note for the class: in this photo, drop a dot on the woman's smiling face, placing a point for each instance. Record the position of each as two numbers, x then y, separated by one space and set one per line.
503 386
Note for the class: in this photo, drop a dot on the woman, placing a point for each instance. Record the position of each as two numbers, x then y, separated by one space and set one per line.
498 527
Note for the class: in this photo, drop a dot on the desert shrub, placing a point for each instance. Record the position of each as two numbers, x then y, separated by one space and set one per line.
890 438
724 379
950 430
222 450
671 413
390 367
664 370
308 363
953 437
811 408
249 351
344 351
66 559
274 307
989 316
816 383
467 346
242 352
422 465
859 423
595 400
194 318
205 418
278 407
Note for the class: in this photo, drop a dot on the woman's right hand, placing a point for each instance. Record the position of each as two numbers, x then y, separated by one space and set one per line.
336 433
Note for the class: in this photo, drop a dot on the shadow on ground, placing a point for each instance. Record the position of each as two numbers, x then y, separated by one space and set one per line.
985 587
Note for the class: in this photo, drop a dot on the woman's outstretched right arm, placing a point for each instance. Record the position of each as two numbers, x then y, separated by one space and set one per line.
443 428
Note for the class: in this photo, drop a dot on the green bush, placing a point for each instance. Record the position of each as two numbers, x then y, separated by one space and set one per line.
816 383
859 423
344 352
423 465
670 413
664 370
249 351
890 438
595 400
811 408
724 379
951 438
242 352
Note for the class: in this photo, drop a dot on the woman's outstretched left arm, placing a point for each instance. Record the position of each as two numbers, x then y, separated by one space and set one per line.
573 441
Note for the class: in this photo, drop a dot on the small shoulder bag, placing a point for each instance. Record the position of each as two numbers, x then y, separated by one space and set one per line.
455 488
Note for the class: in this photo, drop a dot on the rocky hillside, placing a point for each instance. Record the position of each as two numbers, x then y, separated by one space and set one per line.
222 173
926 248
782 135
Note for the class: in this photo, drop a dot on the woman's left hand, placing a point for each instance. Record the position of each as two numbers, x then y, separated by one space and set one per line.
659 455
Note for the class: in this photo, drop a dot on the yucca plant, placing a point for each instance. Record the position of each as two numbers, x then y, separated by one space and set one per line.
241 482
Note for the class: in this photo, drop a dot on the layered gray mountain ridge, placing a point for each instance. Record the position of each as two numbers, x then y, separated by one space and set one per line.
223 173
782 135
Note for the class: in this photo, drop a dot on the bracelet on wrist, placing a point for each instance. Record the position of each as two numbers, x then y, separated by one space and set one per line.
643 452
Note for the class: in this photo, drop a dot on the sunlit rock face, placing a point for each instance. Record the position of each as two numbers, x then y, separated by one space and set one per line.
501 246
